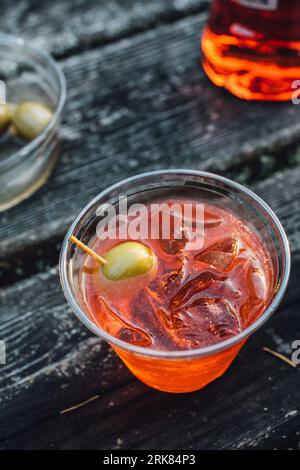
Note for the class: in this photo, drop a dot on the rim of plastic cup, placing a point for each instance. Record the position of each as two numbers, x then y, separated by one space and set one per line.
188 353
28 148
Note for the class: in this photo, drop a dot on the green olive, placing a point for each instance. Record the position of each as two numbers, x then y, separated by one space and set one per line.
127 259
5 117
31 118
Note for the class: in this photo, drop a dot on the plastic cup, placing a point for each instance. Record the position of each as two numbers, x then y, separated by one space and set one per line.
187 370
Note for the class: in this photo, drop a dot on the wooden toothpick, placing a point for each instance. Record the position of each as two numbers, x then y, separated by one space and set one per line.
88 250
79 405
280 356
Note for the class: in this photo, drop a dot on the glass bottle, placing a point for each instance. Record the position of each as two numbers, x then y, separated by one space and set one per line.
252 48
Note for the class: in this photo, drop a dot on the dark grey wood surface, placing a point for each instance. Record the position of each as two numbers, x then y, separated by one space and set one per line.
138 100
65 27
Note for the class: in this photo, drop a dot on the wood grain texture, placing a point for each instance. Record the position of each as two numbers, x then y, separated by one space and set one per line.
53 363
139 104
63 27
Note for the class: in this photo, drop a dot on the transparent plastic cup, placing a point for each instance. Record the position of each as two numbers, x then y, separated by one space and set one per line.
185 370
28 74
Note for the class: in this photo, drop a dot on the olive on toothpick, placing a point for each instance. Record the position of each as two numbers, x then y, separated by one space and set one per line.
123 261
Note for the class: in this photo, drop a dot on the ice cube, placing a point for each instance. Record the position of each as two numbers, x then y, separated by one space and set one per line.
223 321
198 284
134 336
112 322
173 246
147 314
176 241
220 254
211 221
209 319
250 310
256 282
166 285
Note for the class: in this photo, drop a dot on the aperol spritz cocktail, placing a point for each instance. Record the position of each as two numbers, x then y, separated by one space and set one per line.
190 299
179 325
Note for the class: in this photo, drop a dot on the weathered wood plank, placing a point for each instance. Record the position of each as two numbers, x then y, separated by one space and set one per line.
282 192
63 27
143 103
54 363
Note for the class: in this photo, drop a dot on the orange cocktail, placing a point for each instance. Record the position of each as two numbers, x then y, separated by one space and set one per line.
179 325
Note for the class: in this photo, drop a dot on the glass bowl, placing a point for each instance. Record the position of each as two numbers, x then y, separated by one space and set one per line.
184 370
28 74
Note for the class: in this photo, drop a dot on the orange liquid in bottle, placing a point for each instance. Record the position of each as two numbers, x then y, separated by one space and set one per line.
252 47
190 299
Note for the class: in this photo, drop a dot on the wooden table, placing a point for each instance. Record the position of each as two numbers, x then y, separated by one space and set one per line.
138 100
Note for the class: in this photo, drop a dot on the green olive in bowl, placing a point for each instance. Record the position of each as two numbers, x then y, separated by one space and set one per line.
31 118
